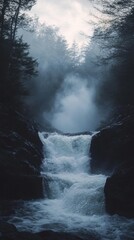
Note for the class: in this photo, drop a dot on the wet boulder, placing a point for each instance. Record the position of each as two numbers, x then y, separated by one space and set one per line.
112 153
112 146
119 191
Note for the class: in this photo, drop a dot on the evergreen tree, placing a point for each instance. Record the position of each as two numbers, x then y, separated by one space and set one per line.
112 48
16 66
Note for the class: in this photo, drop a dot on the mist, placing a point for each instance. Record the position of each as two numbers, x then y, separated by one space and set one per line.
74 109
62 94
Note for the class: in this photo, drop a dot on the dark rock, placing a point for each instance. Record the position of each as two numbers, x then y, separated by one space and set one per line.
27 236
20 156
21 149
6 228
119 192
9 232
112 145
14 187
112 152
50 235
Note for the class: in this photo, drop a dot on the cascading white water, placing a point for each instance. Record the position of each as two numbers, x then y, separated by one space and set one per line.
66 169
73 197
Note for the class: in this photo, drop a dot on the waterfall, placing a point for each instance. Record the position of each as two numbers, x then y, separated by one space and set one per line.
66 169
73 197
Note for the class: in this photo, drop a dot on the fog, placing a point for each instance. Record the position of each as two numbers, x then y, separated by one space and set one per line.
74 109
70 16
63 93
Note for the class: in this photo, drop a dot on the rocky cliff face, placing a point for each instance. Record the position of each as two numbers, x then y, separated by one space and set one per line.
112 153
20 156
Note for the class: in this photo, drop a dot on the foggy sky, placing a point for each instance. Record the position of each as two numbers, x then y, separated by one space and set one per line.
70 16
62 97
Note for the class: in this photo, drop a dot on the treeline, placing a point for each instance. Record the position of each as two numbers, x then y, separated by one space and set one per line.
109 57
33 64
56 60
106 63
22 78
16 65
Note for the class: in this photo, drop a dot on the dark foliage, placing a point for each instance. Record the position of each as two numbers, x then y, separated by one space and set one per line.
16 66
110 55
21 149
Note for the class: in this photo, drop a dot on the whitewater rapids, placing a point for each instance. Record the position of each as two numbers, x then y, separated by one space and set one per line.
73 197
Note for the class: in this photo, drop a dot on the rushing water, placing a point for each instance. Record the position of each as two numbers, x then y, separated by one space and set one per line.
73 197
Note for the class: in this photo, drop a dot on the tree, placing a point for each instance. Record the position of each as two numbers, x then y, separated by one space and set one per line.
12 15
113 43
75 56
16 66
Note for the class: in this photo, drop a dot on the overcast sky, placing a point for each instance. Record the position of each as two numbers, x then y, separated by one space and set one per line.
70 16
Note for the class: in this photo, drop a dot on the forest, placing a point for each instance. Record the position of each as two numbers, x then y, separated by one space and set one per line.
105 63
67 125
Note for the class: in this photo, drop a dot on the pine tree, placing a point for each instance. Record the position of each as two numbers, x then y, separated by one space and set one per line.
16 66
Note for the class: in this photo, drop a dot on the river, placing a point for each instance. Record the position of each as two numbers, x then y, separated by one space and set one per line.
73 197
